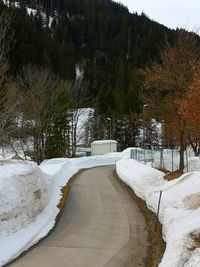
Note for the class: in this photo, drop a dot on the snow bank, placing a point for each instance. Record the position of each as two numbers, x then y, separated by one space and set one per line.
29 196
180 208
23 195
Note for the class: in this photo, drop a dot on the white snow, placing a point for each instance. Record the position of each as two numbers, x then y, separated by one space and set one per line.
79 72
29 196
23 194
102 142
31 10
23 198
81 116
179 211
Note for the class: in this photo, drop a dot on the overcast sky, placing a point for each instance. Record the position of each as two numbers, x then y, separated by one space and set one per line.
172 13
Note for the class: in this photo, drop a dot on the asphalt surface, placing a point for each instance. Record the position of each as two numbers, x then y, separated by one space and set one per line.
101 226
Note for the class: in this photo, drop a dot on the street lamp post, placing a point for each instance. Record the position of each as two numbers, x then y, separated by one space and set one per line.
144 126
144 130
110 134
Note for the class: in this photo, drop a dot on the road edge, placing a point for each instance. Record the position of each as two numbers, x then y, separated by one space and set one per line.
64 194
157 244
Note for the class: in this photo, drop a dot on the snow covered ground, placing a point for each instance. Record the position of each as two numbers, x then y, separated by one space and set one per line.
179 211
29 196
167 159
23 194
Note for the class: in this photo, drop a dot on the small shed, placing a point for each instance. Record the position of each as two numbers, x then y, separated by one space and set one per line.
102 147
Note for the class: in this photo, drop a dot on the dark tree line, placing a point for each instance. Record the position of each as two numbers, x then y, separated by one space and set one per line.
110 46
102 35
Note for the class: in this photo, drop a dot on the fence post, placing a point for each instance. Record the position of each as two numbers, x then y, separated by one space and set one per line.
158 211
152 161
161 159
187 159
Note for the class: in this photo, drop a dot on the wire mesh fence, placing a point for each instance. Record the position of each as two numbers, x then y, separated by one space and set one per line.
160 158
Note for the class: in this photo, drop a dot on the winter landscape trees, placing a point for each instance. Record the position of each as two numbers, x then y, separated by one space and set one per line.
75 71
167 83
8 99
190 112
64 59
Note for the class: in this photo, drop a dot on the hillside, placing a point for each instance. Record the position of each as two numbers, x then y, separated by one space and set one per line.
102 36
98 41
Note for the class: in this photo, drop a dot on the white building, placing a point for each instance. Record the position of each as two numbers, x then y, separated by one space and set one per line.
102 147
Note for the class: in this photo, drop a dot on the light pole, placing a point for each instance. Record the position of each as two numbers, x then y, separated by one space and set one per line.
144 126
144 130
110 121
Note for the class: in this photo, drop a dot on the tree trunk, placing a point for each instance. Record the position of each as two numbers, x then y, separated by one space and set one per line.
43 148
22 146
181 163
36 150
194 146
182 147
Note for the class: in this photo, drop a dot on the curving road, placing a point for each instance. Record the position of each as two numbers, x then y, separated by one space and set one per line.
101 226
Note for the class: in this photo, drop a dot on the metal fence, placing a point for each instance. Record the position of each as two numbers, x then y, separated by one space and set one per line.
159 158
143 155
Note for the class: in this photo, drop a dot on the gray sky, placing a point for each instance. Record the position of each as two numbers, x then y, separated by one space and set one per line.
172 13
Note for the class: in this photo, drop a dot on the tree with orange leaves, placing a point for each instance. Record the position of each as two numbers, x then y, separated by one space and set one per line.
189 109
190 105
166 83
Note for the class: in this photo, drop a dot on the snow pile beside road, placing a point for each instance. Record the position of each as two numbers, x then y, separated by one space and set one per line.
23 195
29 196
180 209
144 176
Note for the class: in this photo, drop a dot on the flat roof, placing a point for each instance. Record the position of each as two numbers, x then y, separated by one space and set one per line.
103 142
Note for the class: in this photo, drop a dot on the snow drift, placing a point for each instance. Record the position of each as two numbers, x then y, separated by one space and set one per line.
23 195
179 211
29 196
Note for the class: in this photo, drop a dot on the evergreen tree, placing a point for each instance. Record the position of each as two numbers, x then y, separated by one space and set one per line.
57 143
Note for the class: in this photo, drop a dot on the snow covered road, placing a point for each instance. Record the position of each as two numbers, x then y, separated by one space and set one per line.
101 225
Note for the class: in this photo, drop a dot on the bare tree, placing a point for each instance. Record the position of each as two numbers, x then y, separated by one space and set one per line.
6 42
7 105
39 87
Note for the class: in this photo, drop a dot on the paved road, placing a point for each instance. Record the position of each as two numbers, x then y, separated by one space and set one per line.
101 226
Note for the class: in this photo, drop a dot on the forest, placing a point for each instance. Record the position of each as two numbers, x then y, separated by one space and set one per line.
63 55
